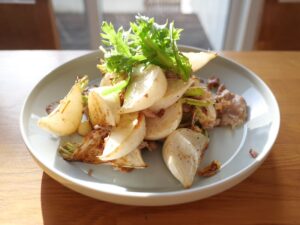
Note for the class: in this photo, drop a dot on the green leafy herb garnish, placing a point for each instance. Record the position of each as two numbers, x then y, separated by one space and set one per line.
120 57
145 43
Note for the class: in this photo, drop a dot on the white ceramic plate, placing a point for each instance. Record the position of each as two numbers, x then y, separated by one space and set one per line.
156 185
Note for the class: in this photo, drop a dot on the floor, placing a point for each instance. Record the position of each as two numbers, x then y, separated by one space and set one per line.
74 32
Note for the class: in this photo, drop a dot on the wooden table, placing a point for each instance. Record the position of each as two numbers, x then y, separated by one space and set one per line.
28 196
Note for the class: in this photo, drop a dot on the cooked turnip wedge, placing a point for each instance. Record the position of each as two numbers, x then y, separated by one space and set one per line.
175 90
199 59
126 137
133 160
106 80
103 109
147 86
182 152
160 127
65 119
84 128
119 133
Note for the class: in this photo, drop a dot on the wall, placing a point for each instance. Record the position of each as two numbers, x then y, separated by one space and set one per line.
213 16
72 6
212 13
122 6
77 6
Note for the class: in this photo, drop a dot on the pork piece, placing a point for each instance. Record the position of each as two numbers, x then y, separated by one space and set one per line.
221 88
208 118
213 82
231 108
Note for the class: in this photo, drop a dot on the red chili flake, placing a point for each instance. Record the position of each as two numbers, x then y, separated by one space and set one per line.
253 153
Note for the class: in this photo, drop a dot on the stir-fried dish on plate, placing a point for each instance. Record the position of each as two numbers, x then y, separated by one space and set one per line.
148 97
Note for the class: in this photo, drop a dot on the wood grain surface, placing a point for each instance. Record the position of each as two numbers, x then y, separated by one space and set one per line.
277 29
28 196
28 25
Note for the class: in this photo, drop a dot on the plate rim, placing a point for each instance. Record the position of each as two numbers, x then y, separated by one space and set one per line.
133 197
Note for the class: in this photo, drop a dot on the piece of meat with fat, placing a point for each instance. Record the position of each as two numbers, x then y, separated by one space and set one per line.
231 108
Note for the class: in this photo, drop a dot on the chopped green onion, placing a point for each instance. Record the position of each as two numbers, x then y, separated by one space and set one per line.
117 88
85 99
196 102
67 150
194 91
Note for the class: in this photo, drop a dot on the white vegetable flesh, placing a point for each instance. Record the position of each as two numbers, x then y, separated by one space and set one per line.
147 86
160 127
66 118
106 80
84 128
182 152
103 109
125 137
176 89
199 59
132 160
